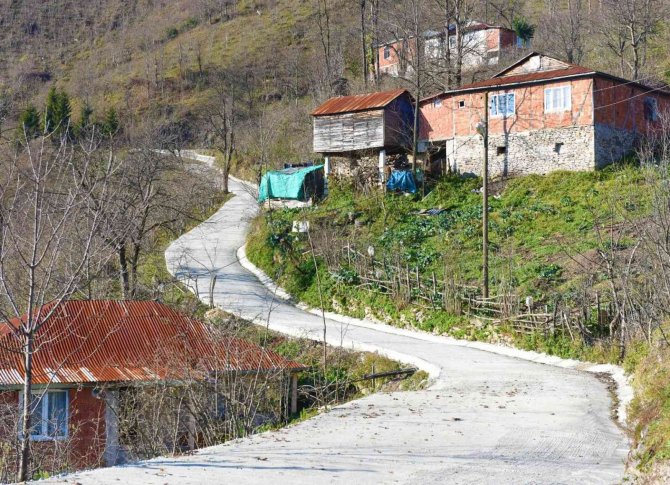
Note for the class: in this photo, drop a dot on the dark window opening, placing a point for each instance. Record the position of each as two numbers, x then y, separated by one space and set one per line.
387 52
501 150
650 109
461 103
558 147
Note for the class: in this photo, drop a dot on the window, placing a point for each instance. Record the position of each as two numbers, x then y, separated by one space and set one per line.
651 109
437 102
501 150
387 52
461 104
49 416
452 41
557 99
558 147
502 104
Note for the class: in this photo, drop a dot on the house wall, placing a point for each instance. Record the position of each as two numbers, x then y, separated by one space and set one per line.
450 119
529 152
349 131
85 444
399 122
620 120
507 38
530 135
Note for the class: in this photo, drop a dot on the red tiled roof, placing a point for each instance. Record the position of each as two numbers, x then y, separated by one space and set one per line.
359 102
114 341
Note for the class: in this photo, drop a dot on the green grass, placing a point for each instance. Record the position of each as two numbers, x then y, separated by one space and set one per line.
539 226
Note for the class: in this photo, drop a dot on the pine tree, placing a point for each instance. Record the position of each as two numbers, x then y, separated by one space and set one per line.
85 122
29 121
51 110
110 124
64 111
58 112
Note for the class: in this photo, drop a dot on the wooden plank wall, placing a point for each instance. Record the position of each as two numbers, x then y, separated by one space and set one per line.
349 131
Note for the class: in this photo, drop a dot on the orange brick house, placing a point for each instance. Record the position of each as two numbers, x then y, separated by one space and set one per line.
87 351
544 115
482 44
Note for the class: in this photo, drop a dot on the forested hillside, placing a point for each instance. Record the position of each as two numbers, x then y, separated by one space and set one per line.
275 60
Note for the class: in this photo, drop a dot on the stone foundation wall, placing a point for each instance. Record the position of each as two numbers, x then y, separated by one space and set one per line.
537 151
613 144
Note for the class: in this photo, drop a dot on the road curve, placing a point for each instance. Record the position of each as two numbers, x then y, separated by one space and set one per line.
486 419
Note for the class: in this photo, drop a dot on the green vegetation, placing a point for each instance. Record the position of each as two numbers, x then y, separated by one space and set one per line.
540 226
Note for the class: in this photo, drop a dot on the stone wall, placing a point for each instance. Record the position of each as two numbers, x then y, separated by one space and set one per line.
536 151
612 144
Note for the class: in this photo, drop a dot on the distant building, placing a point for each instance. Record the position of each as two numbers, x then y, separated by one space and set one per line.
544 115
482 44
91 352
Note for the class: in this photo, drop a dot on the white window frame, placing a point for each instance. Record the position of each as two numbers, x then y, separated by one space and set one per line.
437 102
43 435
494 101
387 52
452 41
565 99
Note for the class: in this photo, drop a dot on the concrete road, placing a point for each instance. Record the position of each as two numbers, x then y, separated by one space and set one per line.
486 419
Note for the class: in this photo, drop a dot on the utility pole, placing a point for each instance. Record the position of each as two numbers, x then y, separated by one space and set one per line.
485 199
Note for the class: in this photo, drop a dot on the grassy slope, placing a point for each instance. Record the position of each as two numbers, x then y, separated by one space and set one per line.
543 244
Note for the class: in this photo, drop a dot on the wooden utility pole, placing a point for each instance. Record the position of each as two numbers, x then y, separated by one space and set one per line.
485 199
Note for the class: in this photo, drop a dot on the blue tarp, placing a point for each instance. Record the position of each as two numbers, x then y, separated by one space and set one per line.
401 180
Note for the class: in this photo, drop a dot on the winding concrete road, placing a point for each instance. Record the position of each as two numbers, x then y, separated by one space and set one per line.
486 418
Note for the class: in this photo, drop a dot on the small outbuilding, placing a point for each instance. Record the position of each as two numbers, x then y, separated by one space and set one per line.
294 183
355 127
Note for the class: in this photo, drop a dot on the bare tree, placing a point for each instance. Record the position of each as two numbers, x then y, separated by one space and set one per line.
564 29
47 238
627 27
221 118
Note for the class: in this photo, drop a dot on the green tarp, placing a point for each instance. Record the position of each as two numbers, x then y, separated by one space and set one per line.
285 184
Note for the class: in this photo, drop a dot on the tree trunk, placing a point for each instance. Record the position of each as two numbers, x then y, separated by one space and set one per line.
363 45
134 262
24 463
123 270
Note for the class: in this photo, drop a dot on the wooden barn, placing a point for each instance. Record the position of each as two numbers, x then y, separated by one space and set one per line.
350 127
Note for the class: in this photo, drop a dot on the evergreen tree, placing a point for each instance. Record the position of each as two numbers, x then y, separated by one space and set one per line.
524 30
29 122
58 112
110 124
51 110
64 111
85 121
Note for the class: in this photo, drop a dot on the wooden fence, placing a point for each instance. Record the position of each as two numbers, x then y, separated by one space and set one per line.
407 284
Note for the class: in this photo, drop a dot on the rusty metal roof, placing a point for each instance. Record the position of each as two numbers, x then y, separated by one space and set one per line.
359 102
519 80
116 341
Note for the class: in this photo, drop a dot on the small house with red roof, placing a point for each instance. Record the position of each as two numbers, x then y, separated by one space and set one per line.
89 352
544 115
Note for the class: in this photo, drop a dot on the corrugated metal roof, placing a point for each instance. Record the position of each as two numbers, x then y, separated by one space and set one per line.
359 102
113 341
530 77
520 79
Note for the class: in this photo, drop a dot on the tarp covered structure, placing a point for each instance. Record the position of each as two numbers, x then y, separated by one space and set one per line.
297 183
401 181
